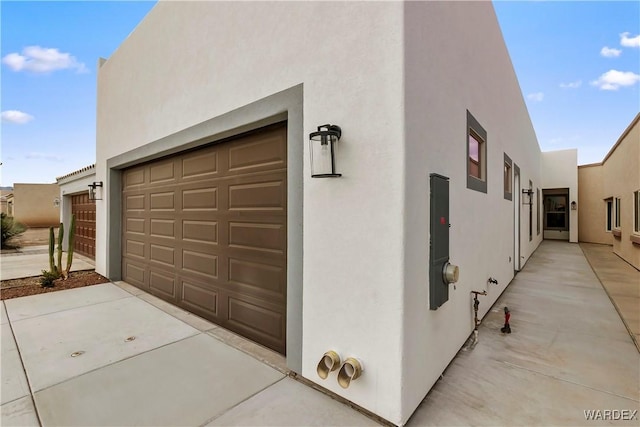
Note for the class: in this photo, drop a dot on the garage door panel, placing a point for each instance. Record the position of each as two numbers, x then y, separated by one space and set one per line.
255 236
134 202
200 263
258 278
200 298
135 225
163 228
206 230
162 173
200 231
269 195
133 178
135 248
200 165
258 153
200 199
256 321
134 274
163 283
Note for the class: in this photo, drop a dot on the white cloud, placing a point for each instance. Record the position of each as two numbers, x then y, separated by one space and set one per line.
537 96
571 85
614 79
44 156
43 60
609 52
627 41
15 116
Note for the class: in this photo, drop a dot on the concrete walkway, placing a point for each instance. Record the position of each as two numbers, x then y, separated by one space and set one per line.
621 282
31 260
569 352
112 354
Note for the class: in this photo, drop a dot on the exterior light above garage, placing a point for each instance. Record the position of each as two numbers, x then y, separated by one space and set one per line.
323 145
95 194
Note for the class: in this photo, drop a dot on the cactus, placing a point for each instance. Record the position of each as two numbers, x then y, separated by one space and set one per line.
60 237
52 265
70 245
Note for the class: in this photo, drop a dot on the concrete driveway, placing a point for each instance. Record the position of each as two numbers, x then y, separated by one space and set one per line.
111 355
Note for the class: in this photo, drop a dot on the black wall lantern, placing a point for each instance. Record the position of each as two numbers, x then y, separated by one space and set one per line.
529 199
93 193
322 145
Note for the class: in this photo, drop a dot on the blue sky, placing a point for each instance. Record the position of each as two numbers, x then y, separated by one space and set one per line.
578 64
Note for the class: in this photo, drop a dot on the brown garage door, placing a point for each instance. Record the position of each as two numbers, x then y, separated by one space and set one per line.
85 212
206 230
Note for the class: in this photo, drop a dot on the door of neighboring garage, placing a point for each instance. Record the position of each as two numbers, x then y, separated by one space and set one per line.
85 236
206 230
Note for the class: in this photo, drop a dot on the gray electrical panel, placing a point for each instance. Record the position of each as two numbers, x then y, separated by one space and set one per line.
438 240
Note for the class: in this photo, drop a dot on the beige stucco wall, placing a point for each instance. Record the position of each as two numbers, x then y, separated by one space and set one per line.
34 204
621 177
592 211
559 169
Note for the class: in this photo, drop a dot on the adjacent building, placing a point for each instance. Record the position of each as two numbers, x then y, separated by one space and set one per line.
34 205
207 118
610 195
76 200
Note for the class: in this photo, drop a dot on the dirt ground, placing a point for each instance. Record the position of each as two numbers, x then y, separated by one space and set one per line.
33 237
31 285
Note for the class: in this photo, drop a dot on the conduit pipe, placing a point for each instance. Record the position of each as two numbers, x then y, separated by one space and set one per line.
329 362
350 370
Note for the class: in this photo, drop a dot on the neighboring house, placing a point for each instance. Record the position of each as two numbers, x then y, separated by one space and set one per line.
209 203
610 197
74 194
35 205
6 193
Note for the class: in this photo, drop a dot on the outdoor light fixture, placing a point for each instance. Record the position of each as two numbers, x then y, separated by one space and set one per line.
527 192
93 193
322 145
574 205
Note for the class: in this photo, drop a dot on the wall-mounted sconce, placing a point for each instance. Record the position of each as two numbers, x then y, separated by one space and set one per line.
529 199
323 145
574 205
95 194
56 202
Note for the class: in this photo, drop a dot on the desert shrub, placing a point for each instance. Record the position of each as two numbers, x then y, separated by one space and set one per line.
10 229
48 277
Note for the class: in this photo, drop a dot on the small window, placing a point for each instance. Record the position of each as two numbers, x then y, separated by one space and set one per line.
609 213
508 179
538 211
616 223
636 212
531 213
476 155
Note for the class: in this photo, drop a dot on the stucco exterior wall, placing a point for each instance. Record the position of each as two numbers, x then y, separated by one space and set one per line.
559 169
621 177
474 72
195 61
34 204
592 213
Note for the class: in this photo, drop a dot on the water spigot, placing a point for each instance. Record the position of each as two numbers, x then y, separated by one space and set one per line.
492 280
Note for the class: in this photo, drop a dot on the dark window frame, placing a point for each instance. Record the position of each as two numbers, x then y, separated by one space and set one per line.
616 215
537 212
608 225
473 183
508 163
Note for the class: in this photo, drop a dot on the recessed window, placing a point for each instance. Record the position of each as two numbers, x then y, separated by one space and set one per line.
508 179
531 212
609 203
636 212
476 155
616 205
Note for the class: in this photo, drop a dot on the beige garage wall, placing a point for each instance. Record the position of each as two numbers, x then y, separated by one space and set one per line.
617 176
34 204
592 210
